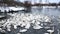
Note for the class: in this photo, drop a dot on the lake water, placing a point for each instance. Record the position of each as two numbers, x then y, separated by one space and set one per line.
54 13
47 11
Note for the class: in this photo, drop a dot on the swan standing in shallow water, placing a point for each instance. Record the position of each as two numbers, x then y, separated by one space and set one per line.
58 31
37 27
27 26
51 31
46 33
15 26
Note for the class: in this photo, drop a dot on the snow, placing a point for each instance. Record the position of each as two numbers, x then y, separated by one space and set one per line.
16 8
11 8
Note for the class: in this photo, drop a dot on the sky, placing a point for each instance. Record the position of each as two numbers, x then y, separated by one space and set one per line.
51 1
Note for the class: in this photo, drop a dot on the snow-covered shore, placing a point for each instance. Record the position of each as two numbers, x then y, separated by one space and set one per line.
7 9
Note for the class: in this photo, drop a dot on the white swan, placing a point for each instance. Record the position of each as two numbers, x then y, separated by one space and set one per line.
46 33
37 27
23 30
27 26
51 31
